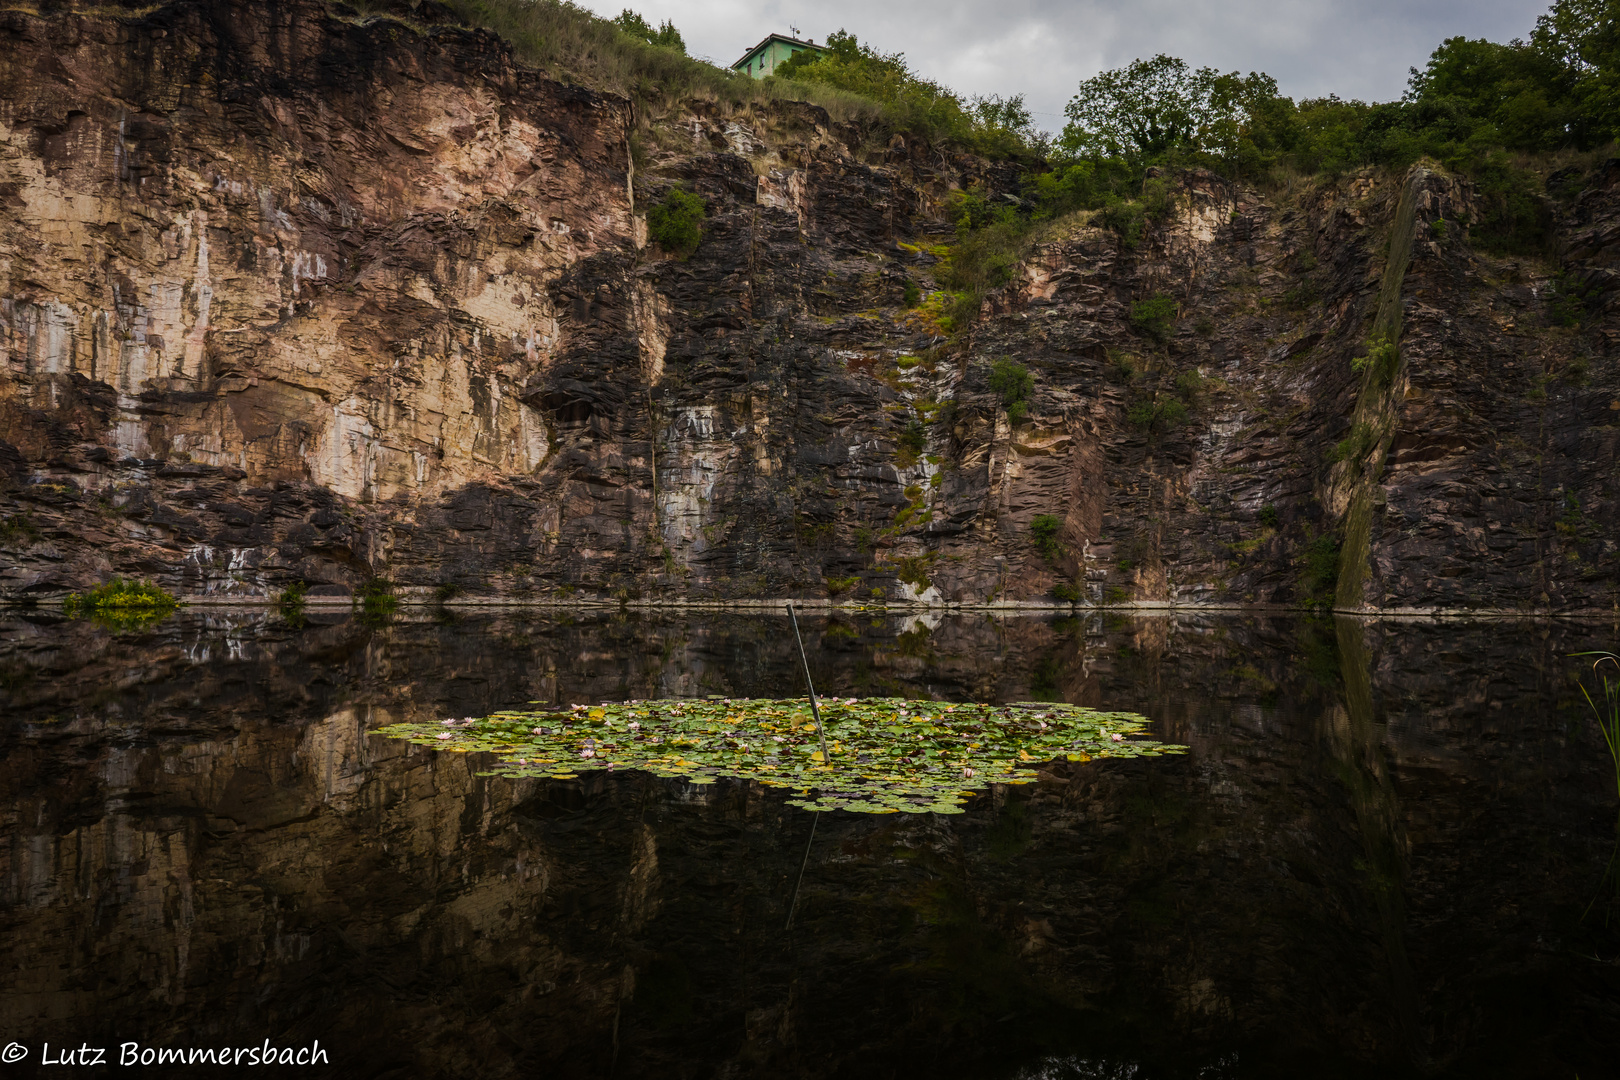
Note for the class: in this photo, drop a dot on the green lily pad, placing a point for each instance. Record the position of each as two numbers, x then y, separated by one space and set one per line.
885 754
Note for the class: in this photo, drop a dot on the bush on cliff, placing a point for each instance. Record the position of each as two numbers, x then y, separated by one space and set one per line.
1477 107
1043 533
676 222
121 604
993 124
627 55
1155 317
1158 412
665 37
1014 384
120 594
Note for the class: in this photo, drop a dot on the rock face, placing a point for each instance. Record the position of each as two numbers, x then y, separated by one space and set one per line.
288 293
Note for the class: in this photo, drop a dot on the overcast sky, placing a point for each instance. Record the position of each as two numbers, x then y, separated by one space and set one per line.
1043 48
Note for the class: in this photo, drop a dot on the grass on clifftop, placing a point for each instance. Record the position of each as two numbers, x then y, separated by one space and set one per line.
575 45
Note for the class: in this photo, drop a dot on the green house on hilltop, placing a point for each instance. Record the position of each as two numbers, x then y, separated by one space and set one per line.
762 59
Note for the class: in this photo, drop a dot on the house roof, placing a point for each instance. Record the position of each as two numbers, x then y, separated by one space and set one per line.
768 38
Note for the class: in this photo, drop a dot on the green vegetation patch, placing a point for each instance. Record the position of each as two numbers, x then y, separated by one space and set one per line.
376 600
990 125
1014 384
839 585
885 755
1044 531
1155 317
676 222
121 604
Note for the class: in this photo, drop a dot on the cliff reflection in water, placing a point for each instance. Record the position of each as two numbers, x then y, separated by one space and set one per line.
1374 860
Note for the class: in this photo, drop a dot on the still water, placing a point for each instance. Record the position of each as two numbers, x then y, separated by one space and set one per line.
1383 855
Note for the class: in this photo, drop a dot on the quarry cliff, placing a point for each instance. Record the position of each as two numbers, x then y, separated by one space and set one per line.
290 292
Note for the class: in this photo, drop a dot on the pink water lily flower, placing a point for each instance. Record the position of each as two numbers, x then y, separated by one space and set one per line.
1117 738
446 735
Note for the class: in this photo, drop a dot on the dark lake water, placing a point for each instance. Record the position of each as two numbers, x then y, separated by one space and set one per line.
1384 855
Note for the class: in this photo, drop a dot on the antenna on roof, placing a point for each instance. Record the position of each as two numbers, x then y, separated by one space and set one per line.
793 28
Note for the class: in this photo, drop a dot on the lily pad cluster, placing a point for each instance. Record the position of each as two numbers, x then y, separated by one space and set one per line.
884 755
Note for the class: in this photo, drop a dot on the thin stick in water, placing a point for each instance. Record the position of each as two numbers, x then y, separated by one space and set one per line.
815 819
815 710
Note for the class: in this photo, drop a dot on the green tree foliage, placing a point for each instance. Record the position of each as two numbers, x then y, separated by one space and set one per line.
1583 38
665 37
120 604
117 595
1155 317
1157 413
676 222
1474 106
1320 563
1043 533
989 124
914 439
1150 108
1013 382
990 239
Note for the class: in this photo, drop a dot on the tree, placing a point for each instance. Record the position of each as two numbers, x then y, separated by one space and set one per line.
996 113
1142 110
665 37
1583 37
1481 92
1013 382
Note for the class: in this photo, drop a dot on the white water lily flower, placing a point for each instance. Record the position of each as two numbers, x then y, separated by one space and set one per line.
448 720
634 726
1117 738
445 735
